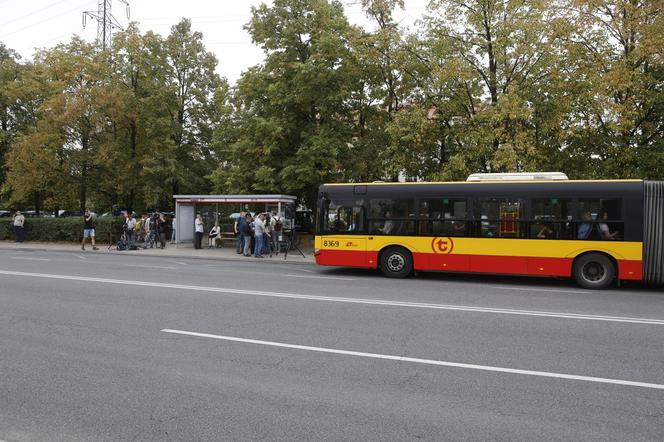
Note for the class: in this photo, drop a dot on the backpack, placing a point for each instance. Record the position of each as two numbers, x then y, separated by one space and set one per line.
277 225
121 245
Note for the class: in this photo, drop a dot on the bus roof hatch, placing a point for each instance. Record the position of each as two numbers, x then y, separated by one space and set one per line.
520 176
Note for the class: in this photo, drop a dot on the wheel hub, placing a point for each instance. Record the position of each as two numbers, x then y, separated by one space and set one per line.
593 271
396 262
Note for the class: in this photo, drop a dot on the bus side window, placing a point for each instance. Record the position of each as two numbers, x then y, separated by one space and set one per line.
443 217
344 217
501 217
391 216
600 219
551 218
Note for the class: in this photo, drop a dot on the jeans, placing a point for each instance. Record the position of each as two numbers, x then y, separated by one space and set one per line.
259 246
239 243
19 232
246 245
267 244
131 237
198 240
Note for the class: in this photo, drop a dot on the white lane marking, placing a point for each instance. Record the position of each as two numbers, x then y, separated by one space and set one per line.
528 289
33 259
181 263
82 257
465 308
149 267
545 374
321 277
124 264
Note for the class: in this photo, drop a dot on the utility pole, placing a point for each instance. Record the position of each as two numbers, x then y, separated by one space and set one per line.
106 22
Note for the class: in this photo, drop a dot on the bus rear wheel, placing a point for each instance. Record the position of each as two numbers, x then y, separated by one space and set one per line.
594 271
396 262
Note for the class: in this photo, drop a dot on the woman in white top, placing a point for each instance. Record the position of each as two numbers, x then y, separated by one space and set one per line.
604 231
19 220
213 235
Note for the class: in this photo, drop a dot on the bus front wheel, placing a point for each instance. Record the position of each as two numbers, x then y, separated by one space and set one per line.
594 271
396 262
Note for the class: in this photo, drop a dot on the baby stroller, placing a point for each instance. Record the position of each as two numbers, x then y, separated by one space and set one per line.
122 243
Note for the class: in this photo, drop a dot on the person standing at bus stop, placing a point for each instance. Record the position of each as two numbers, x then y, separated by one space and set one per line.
238 227
199 229
259 230
174 225
246 235
275 227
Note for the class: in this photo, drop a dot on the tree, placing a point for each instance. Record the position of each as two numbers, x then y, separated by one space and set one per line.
70 128
17 103
292 111
615 54
489 60
192 82
139 153
380 91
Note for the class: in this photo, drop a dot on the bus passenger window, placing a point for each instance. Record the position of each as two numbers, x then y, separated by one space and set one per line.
392 227
443 217
391 217
343 217
391 208
551 218
600 219
500 217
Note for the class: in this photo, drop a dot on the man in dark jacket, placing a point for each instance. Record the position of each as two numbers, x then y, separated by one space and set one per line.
246 235
239 224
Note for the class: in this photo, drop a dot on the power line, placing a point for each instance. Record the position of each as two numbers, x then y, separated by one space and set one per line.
31 13
39 22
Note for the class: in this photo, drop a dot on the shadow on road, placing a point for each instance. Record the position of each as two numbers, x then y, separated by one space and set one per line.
496 280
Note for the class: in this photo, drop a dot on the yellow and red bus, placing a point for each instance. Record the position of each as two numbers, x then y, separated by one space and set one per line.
596 232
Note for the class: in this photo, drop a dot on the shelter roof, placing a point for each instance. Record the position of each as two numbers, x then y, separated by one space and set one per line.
235 199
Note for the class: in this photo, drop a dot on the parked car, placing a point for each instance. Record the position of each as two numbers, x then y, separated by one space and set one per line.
66 213
5 214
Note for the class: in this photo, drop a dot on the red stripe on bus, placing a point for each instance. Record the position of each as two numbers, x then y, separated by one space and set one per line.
630 270
511 265
348 258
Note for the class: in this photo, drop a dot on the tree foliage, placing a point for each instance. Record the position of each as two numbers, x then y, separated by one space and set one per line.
478 85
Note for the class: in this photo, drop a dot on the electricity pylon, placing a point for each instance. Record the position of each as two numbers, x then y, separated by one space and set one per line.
106 22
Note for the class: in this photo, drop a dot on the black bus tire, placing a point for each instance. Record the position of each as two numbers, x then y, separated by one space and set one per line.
396 262
594 271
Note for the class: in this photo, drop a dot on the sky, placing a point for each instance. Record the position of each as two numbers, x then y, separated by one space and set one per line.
29 24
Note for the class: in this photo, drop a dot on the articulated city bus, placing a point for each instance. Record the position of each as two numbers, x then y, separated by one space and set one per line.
597 232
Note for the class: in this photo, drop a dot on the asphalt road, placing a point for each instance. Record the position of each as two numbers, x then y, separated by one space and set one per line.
124 347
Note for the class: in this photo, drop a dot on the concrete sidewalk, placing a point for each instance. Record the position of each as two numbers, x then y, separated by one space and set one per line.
171 251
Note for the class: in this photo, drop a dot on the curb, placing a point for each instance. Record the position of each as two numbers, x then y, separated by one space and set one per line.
105 252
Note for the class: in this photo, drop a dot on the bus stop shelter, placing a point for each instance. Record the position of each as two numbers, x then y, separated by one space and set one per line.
186 207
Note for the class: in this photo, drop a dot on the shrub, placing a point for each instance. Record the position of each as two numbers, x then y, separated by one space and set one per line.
62 229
